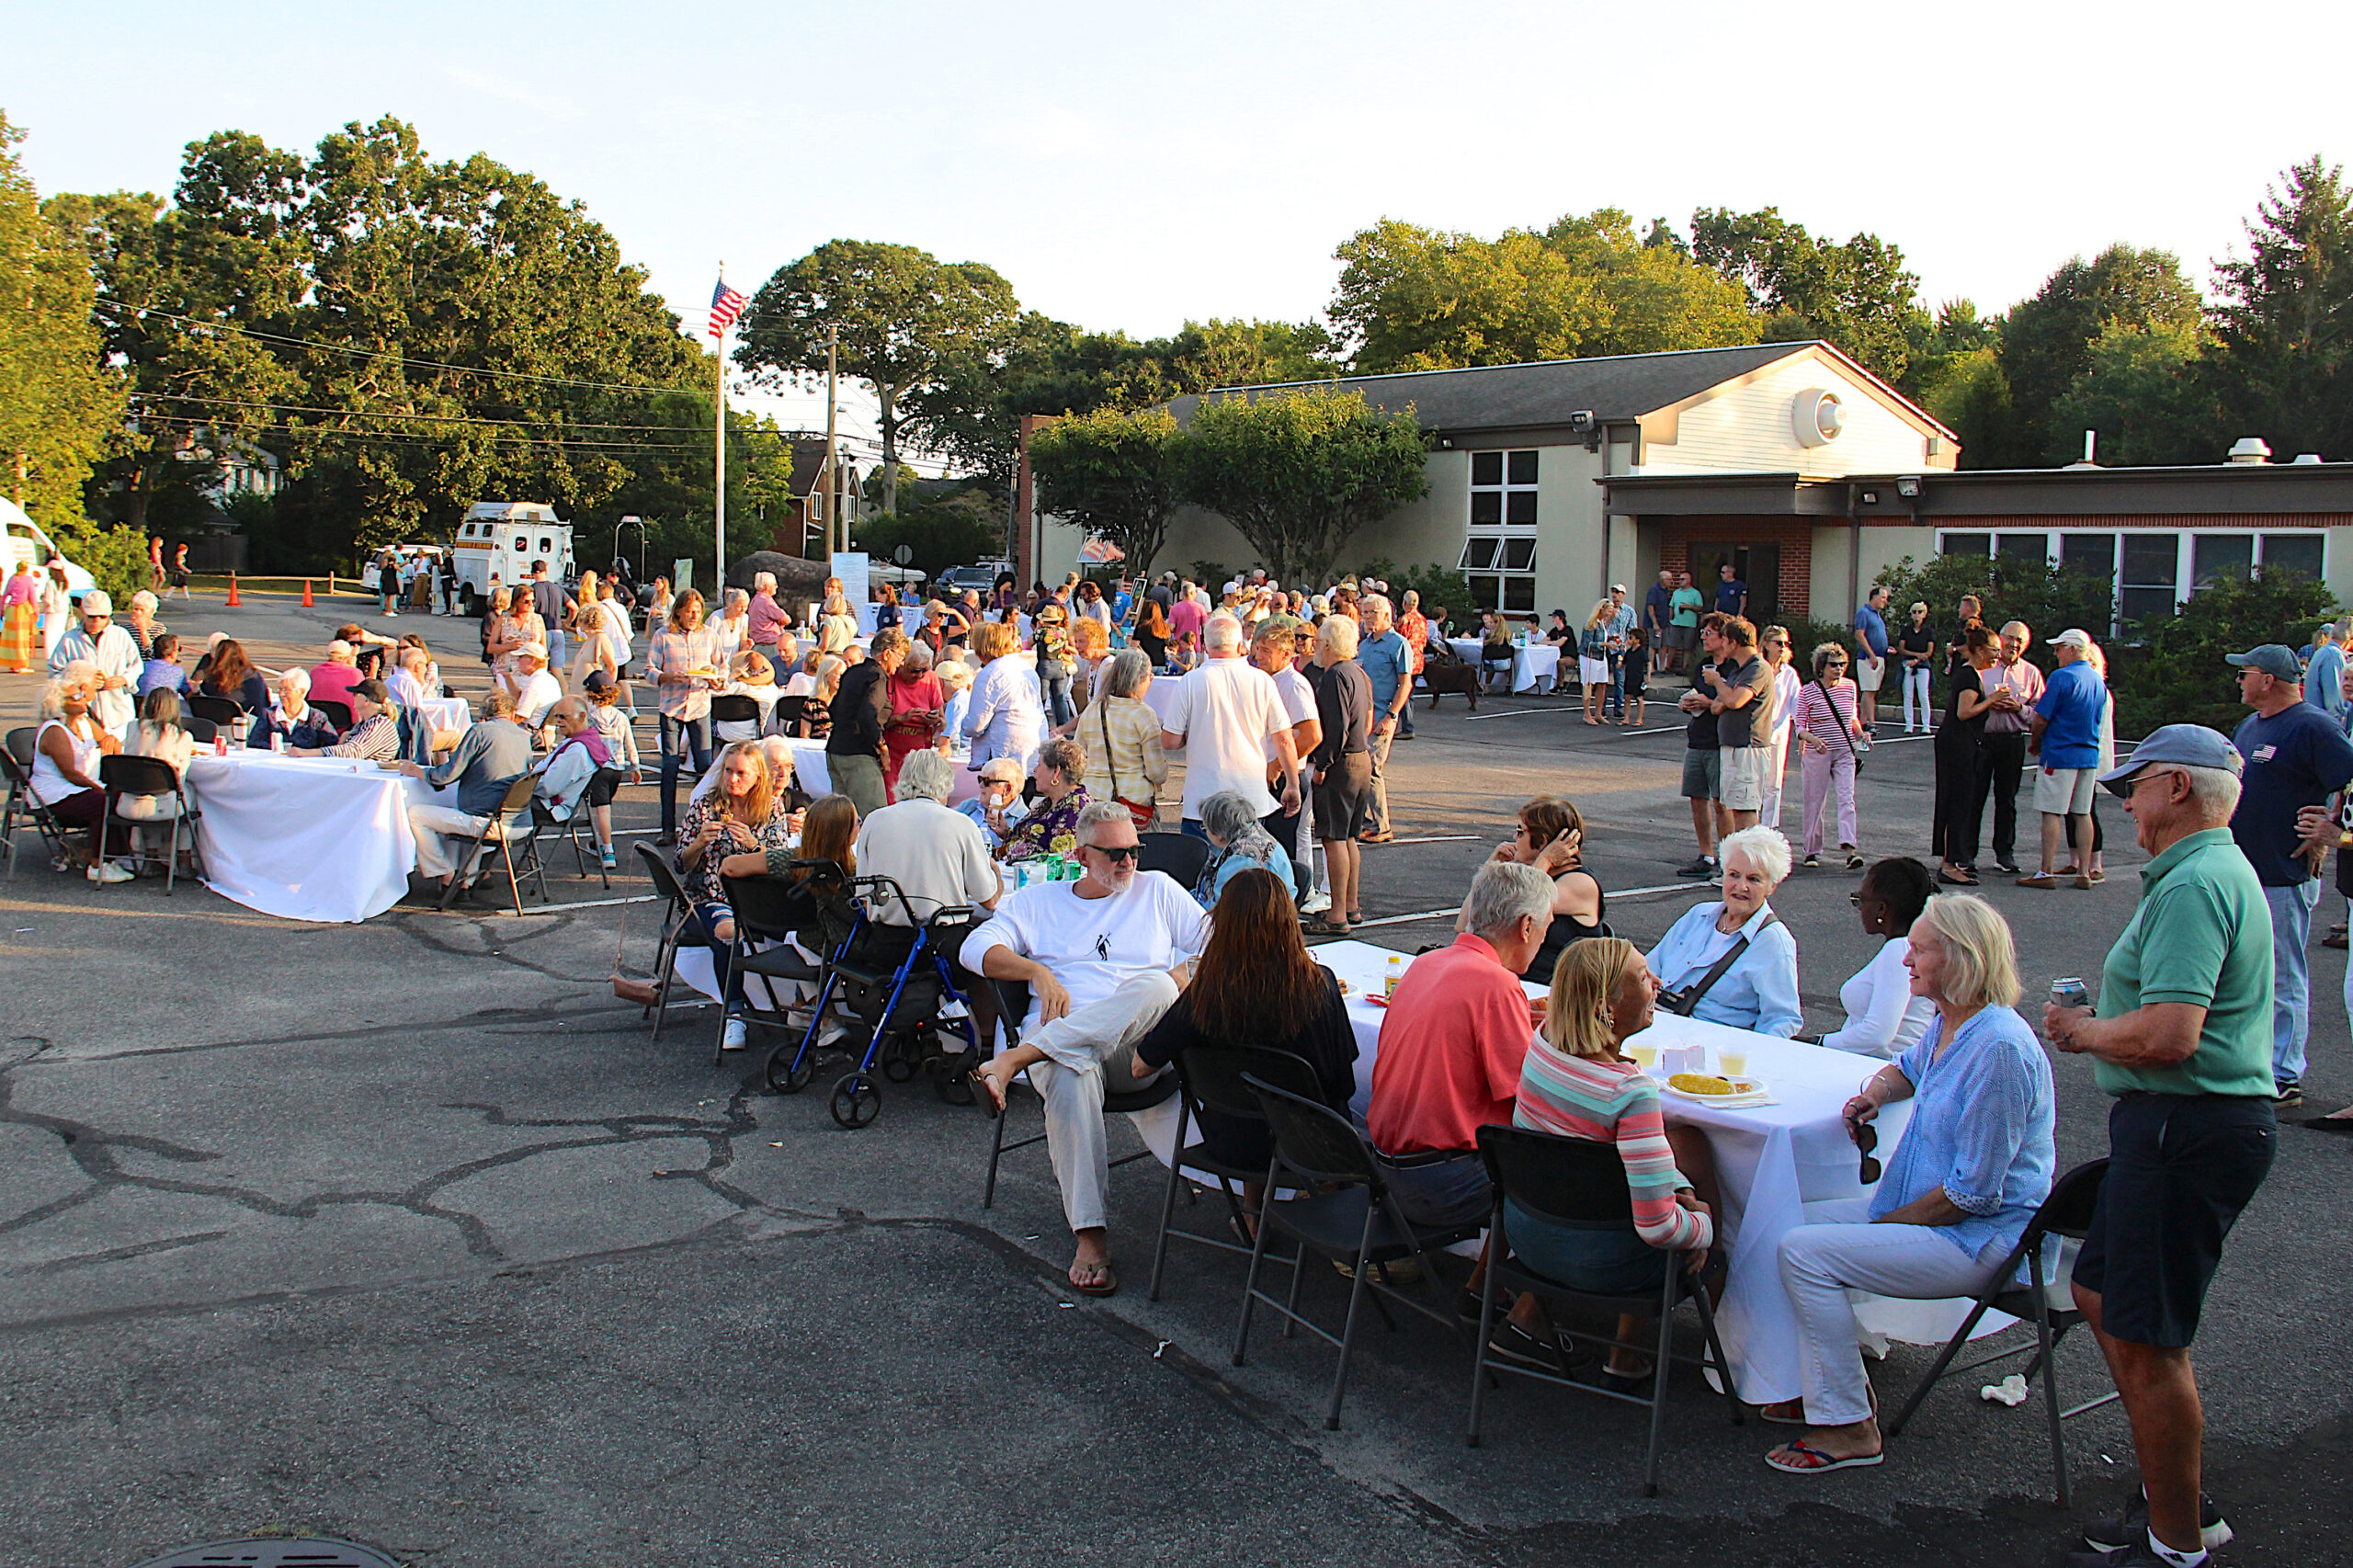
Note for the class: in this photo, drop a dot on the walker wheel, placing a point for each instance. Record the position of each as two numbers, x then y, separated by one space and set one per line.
784 1077
953 1087
897 1067
855 1100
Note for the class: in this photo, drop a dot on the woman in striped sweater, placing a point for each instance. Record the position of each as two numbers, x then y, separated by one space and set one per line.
1578 1083
1827 731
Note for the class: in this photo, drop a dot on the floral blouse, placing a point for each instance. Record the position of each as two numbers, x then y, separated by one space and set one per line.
1048 829
703 882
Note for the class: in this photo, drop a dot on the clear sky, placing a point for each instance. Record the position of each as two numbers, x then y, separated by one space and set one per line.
1133 167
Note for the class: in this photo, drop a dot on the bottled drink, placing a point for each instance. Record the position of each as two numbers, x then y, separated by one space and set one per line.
1396 973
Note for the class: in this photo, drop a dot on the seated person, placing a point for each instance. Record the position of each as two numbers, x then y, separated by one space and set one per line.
373 735
1551 839
157 735
333 680
1046 829
536 690
410 682
1451 1044
162 669
230 676
1239 844
579 756
935 854
1577 1082
1256 984
369 650
779 751
745 814
1000 784
1975 1164
488 757
66 751
1883 1017
1759 990
955 678
1104 956
294 720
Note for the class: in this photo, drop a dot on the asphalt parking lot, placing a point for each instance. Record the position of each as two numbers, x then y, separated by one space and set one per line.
409 1233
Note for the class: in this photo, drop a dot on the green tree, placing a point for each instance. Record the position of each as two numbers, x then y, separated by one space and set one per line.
2144 394
1297 473
2285 317
2047 340
1859 295
1114 475
905 319
942 530
2178 675
58 403
1654 297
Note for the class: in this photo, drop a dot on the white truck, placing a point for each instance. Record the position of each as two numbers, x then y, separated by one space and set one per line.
498 541
24 542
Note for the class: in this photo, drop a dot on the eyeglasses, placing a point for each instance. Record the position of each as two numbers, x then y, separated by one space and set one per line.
1867 1139
1856 898
1118 851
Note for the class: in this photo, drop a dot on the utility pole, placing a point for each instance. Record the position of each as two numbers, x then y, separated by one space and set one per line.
833 469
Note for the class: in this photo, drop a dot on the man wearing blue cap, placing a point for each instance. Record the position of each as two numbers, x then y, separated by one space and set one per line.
2295 757
2181 1038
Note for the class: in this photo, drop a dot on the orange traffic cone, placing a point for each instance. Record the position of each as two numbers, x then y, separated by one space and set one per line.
233 601
306 593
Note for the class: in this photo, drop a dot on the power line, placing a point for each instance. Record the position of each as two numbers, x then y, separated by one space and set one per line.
433 418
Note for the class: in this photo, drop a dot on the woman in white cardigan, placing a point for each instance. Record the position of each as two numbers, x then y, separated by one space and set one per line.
1884 1018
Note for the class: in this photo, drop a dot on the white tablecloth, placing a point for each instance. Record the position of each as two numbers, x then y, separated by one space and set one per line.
447 713
304 838
1771 1160
1532 667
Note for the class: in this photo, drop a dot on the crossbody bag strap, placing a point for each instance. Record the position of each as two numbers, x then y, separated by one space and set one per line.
1110 757
1844 733
1722 967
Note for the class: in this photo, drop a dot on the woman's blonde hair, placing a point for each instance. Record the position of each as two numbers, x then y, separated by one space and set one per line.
81 672
1602 610
1088 636
992 639
1584 986
1981 956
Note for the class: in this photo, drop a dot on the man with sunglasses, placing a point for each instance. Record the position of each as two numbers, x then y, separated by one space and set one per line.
2182 1037
1104 956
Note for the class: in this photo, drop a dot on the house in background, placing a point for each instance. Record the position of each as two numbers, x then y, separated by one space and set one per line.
1521 457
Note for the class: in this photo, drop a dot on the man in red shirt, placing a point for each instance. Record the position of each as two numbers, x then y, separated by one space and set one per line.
1451 1046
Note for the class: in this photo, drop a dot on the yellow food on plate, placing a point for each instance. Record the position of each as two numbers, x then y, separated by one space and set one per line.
1702 1084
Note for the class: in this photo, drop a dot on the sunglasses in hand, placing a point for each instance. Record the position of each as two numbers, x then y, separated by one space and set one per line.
1867 1139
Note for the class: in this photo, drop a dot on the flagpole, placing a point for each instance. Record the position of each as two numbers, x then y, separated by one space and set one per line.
719 492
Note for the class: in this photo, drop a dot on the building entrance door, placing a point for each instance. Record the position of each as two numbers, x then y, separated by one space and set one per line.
1759 565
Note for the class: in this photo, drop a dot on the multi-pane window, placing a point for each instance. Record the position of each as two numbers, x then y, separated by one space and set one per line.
2156 572
1499 544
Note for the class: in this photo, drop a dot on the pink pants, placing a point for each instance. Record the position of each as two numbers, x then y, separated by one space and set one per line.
1820 769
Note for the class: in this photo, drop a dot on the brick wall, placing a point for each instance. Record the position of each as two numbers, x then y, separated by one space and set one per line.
1794 536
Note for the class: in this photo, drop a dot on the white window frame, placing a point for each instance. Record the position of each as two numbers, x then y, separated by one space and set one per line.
1504 532
2184 559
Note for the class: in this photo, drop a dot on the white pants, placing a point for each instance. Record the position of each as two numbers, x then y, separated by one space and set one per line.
1837 1248
441 831
1081 1049
1917 679
1777 765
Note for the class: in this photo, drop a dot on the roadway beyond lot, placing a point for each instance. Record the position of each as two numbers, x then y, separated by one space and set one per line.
408 1234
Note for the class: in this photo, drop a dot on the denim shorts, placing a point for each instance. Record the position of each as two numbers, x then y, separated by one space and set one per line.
1615 1262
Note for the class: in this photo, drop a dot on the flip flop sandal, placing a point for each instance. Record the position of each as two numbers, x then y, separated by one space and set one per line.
1106 1284
1813 1462
1765 1413
980 1096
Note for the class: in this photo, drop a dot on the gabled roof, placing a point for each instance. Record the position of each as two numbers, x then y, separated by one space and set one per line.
1617 388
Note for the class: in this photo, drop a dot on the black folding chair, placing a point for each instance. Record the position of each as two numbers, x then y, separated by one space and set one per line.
1179 854
677 929
506 826
770 910
203 732
229 718
1580 1183
1346 1212
1209 1078
145 775
1013 1005
340 712
735 708
16 763
2066 1213
546 825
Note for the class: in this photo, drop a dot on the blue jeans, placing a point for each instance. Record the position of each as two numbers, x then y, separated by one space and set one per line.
2291 984
694 736
1057 694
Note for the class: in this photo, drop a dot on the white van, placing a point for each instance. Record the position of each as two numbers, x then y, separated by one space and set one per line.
500 539
26 542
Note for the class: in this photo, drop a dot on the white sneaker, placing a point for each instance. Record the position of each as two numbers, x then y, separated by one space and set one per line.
105 872
735 1035
1316 904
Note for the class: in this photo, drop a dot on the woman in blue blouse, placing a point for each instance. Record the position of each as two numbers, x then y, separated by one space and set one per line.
1760 990
1975 1165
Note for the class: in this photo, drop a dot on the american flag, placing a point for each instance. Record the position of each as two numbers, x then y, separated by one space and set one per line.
726 304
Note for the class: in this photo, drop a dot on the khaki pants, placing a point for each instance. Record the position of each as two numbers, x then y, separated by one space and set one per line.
441 831
1092 1045
859 778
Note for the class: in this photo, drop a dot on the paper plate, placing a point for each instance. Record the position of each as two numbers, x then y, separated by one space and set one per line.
1748 1091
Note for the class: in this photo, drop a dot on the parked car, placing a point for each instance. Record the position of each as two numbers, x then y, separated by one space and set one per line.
980 578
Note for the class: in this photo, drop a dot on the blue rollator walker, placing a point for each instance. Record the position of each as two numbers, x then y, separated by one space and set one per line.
884 987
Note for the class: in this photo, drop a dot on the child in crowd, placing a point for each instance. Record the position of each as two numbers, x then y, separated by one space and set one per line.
621 744
1633 675
163 671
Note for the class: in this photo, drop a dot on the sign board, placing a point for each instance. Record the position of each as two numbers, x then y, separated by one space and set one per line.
682 574
904 555
857 584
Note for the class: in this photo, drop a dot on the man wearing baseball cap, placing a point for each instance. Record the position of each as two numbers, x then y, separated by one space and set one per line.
2066 726
2296 757
2181 1038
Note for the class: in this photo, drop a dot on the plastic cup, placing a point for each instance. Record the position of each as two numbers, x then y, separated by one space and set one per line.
1734 1063
1645 1056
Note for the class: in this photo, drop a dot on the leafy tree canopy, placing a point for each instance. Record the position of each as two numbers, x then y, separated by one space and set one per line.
1113 474
1859 295
2285 317
2047 340
1299 473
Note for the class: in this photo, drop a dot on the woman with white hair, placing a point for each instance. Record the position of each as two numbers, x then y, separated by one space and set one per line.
1975 1164
1732 962
918 712
1241 843
733 627
292 717
1006 715
65 760
140 622
955 677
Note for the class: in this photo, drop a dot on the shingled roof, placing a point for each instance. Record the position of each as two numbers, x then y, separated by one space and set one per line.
1503 397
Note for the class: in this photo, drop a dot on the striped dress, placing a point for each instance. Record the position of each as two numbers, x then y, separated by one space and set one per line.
1612 1102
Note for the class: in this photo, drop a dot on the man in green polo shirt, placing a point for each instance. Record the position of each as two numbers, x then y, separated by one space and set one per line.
2182 1037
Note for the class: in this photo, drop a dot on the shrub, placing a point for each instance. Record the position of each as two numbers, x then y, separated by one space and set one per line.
2177 675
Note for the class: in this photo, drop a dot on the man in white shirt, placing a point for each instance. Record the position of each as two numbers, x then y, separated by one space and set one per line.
540 691
936 856
1226 713
99 641
1271 649
1104 956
